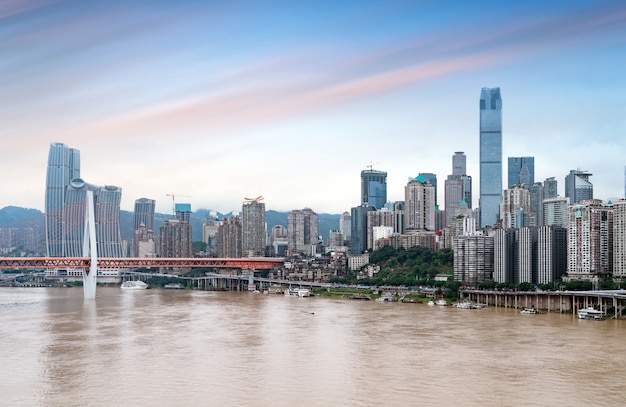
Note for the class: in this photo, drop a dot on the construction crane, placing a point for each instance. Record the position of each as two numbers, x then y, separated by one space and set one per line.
248 201
174 201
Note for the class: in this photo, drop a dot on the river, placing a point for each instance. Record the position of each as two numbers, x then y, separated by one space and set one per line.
198 348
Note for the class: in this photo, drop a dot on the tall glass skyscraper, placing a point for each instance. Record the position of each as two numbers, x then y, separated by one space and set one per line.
577 186
374 188
107 219
63 166
490 156
521 171
66 195
144 213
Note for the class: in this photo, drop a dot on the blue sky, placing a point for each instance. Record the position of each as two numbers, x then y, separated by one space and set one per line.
291 100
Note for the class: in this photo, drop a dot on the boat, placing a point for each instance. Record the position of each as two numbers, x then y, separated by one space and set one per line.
297 292
590 313
465 305
134 285
362 297
441 302
174 286
387 298
529 311
431 303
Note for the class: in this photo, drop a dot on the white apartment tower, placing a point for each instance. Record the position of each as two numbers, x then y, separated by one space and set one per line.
590 239
419 209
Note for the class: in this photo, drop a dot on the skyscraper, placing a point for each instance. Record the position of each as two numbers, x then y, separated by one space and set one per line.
578 187
550 188
66 206
107 219
458 188
229 238
515 202
175 239
590 239
490 155
63 166
253 237
619 239
432 178
358 215
419 209
521 171
459 163
144 213
373 188
303 231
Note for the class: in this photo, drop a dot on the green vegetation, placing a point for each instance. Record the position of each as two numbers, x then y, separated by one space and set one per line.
415 266
405 267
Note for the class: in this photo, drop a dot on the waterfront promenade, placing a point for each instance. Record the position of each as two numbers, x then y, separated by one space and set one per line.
608 301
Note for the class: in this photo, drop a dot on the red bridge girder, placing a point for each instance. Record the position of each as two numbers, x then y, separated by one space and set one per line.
260 263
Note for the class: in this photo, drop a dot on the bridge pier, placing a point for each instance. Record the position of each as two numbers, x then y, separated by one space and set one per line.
90 249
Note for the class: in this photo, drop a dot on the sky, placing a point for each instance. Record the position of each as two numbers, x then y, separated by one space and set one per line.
216 102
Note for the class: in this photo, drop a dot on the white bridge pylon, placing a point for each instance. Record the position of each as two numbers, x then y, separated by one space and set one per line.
90 249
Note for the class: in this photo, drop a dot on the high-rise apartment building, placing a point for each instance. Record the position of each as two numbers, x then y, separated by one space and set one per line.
578 187
419 205
432 178
175 239
490 156
373 188
619 239
551 254
210 227
504 255
383 217
253 228
397 209
63 167
590 239
303 231
536 202
473 259
521 171
229 238
515 203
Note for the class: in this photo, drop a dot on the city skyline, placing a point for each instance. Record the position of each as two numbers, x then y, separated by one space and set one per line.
223 102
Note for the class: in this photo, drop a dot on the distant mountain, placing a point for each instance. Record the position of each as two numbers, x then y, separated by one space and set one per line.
13 216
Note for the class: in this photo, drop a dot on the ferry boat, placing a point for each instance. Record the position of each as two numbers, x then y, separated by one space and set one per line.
441 302
590 313
134 285
174 286
529 311
297 292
